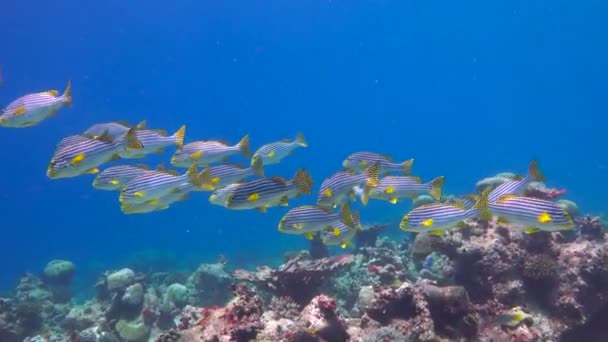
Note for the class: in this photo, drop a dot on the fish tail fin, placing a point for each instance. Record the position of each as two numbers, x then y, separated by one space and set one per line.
257 165
132 141
372 174
483 205
365 194
304 181
535 173
407 166
436 187
67 94
357 220
244 146
194 176
142 124
346 215
301 140
205 180
179 137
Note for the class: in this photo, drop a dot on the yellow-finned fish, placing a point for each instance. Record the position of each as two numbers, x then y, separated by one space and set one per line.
273 153
359 161
532 213
29 110
154 141
339 187
205 153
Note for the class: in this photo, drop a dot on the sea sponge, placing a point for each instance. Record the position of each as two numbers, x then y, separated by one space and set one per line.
540 267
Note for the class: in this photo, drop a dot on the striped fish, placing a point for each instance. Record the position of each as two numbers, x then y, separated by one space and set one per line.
517 186
265 193
339 187
273 153
162 203
205 153
393 188
435 218
79 155
342 235
116 177
153 185
216 177
359 161
154 142
221 195
532 213
307 219
111 130
29 110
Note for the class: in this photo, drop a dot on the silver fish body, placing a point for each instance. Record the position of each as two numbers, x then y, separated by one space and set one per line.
29 110
517 186
116 177
309 219
339 187
359 161
273 153
532 213
153 142
394 188
205 153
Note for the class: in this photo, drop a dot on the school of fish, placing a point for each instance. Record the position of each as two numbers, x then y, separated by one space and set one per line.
364 176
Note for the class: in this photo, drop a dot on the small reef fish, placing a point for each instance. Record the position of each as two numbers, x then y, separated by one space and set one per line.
264 193
216 177
308 219
532 213
29 110
273 153
151 186
513 317
162 203
154 142
109 131
79 155
205 153
393 188
517 186
435 218
359 161
342 235
116 177
339 187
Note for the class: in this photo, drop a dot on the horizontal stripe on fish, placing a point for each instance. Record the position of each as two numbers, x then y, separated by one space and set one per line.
156 184
79 155
359 161
393 188
309 218
153 142
342 235
436 218
162 203
337 188
222 175
205 153
518 186
31 109
116 177
273 153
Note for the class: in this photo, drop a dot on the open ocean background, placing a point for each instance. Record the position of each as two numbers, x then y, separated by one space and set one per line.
467 88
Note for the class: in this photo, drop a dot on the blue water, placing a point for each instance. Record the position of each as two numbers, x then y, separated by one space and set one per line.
468 89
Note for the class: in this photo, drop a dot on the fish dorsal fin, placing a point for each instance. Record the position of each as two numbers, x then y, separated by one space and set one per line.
53 92
142 166
161 167
172 172
105 137
160 132
457 204
505 197
388 157
326 209
517 177
223 141
279 179
142 124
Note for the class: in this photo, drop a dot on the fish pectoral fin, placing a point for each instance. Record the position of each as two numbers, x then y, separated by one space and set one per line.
77 159
253 197
284 201
436 232
196 155
531 230
92 171
394 200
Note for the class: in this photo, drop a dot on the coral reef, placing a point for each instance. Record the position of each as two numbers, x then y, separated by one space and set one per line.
485 281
